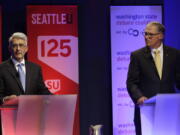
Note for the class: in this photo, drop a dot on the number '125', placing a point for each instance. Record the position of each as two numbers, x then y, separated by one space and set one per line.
63 47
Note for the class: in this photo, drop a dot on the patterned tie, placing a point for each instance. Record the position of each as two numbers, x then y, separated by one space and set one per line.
22 75
157 60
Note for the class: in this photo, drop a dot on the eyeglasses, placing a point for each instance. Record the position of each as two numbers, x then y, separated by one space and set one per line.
18 45
150 34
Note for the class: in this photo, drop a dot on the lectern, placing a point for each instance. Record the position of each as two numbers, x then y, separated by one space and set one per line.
160 115
39 115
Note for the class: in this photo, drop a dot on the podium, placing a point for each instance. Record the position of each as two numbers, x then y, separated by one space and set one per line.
160 115
39 115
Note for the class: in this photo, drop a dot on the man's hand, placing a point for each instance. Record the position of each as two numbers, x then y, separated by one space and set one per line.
141 100
7 98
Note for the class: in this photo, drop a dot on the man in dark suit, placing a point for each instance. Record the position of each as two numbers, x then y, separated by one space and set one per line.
153 69
18 76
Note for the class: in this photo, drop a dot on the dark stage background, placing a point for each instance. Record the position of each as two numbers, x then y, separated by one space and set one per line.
94 48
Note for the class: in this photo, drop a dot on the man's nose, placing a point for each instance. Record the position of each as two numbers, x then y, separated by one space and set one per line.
18 47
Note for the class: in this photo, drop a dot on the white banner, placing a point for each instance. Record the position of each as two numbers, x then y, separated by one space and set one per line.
127 25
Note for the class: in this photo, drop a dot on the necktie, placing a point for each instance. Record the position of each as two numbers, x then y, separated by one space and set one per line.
22 76
157 60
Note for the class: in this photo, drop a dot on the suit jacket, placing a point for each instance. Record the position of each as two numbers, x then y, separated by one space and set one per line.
143 78
10 82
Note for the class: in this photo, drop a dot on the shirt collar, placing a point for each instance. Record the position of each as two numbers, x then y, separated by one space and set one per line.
160 48
17 62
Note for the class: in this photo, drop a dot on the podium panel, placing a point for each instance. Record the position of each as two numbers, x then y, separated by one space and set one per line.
147 119
167 120
160 115
40 115
8 118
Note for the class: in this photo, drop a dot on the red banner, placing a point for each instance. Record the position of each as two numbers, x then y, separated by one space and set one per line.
53 43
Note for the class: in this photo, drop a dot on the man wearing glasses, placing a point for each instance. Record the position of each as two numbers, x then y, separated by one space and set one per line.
153 69
18 76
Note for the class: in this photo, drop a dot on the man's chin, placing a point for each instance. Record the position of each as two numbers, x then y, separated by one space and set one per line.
18 58
148 45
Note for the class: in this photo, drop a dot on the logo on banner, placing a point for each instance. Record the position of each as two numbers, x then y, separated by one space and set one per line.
60 53
130 32
53 18
53 85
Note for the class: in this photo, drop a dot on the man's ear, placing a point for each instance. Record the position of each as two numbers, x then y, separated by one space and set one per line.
161 36
27 49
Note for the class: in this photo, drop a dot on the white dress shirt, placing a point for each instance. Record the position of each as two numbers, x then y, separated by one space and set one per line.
160 48
17 62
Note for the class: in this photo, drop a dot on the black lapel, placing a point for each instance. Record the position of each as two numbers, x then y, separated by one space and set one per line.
28 75
147 53
165 60
14 73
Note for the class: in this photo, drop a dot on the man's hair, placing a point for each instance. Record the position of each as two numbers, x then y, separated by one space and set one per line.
18 35
160 26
